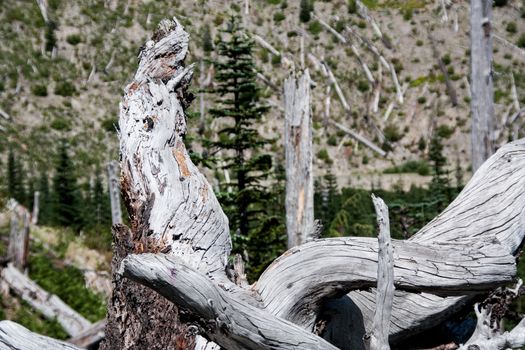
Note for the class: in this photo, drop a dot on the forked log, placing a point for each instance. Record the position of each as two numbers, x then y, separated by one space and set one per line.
14 336
49 305
299 200
18 248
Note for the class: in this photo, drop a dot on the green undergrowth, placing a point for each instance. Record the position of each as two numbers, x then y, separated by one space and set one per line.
419 167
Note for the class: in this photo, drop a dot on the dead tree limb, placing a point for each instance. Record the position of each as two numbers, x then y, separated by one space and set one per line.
363 12
15 336
51 306
481 82
509 45
451 91
359 138
298 150
385 280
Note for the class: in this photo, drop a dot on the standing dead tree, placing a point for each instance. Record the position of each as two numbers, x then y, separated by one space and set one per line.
298 150
481 81
114 192
178 244
18 248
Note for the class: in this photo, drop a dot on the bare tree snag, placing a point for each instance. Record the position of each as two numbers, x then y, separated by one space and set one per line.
14 336
49 305
298 150
385 280
36 208
114 192
359 138
18 248
481 81
451 91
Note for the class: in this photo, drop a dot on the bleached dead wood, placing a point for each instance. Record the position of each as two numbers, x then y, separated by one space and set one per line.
90 336
327 101
363 12
114 192
371 47
285 61
4 115
481 80
42 5
228 321
359 138
49 305
337 88
509 45
354 49
299 200
487 337
444 16
385 280
267 81
16 337
36 208
514 92
18 248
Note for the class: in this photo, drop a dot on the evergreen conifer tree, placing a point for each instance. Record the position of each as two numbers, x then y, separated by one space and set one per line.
304 11
45 216
15 179
239 110
440 185
207 41
66 201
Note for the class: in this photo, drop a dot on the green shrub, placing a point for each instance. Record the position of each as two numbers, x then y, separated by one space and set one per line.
274 2
363 86
39 90
315 28
521 41
500 3
74 39
444 131
392 133
324 156
446 59
278 17
419 42
511 27
352 6
65 88
276 60
412 166
421 100
332 140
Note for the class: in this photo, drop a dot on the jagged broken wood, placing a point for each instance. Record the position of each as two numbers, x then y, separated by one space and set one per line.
51 306
299 199
385 280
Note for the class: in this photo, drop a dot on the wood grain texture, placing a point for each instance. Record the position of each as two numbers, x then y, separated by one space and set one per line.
226 320
299 200
16 337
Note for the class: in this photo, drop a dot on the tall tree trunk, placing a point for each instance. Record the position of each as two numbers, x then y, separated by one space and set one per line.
481 81
18 248
298 148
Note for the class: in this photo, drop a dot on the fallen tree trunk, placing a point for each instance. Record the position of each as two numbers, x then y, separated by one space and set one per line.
299 199
48 304
14 336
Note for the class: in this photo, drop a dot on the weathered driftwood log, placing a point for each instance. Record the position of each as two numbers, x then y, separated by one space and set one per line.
385 280
114 192
48 304
298 153
359 138
18 248
91 336
481 82
16 337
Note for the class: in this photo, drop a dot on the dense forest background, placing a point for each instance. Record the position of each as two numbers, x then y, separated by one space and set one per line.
61 79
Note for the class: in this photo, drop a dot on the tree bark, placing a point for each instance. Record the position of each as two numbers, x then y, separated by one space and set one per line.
481 76
298 150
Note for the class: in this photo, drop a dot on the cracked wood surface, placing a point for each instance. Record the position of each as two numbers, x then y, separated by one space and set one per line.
299 200
16 337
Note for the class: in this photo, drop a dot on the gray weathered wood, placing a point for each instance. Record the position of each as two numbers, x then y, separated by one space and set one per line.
359 138
36 208
48 304
481 82
18 248
385 280
228 321
16 337
114 192
90 336
451 91
298 153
